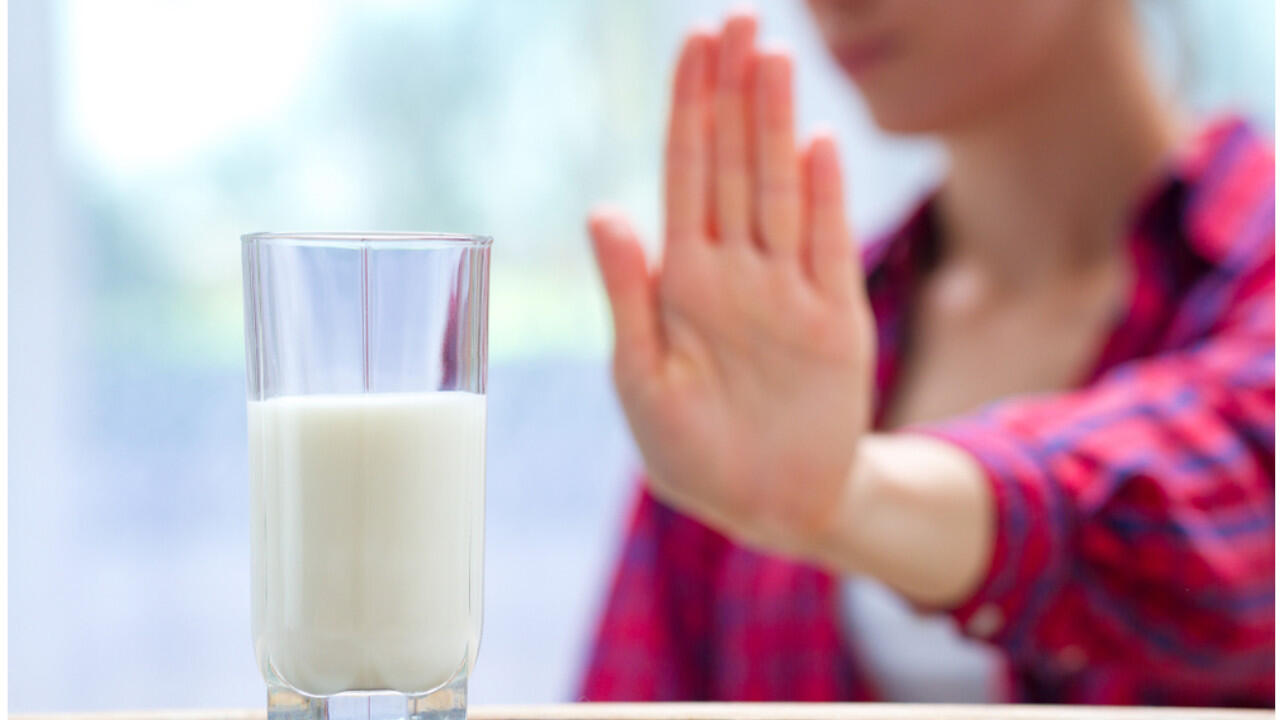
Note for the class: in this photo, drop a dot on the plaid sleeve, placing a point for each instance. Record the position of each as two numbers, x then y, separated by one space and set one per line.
653 642
1136 517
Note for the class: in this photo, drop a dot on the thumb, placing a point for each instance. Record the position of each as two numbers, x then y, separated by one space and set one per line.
631 293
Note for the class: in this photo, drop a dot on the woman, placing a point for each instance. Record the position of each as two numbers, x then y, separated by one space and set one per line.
1048 410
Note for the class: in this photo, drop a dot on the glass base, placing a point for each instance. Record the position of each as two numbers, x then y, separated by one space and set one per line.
447 703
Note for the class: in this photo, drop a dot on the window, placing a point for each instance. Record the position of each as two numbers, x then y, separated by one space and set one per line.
147 136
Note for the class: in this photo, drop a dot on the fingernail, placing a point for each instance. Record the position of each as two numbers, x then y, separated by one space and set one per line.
597 223
618 226
824 156
740 17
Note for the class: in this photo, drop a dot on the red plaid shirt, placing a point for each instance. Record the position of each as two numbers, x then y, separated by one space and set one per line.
1135 547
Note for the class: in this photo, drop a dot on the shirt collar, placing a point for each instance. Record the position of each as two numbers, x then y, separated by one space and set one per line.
1206 191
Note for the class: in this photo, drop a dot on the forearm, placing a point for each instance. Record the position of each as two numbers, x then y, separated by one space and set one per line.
917 514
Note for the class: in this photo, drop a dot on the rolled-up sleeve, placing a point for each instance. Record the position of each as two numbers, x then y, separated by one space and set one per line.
1135 518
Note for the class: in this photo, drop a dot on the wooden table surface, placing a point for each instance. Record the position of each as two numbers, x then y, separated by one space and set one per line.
741 711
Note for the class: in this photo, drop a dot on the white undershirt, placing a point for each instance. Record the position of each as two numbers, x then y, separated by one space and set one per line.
912 657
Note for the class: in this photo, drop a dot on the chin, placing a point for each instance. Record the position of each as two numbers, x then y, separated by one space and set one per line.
906 118
926 103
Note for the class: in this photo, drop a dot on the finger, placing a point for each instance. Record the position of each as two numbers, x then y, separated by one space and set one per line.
833 261
686 153
708 132
731 144
777 166
627 281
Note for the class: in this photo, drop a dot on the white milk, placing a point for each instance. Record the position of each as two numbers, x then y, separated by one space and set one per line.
367 538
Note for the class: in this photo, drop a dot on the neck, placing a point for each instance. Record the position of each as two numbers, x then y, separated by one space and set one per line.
1046 183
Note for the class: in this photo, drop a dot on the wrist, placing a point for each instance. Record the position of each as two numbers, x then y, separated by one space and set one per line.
916 513
838 543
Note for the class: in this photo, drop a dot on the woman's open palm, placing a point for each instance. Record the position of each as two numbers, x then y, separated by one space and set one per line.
744 364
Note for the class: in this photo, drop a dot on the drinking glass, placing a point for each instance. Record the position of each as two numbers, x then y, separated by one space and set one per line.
366 357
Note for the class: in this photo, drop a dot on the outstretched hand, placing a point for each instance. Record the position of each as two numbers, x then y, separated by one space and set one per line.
744 363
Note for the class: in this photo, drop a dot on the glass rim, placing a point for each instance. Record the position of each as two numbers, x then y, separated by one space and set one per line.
368 239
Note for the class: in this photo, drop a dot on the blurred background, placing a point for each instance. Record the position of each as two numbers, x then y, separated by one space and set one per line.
147 135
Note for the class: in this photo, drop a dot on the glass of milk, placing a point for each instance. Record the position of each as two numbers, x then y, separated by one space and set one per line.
367 358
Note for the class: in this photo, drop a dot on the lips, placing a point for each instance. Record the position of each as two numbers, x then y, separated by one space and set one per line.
859 58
